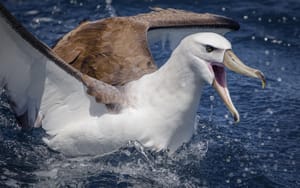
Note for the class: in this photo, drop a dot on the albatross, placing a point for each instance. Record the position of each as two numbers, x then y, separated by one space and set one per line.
100 88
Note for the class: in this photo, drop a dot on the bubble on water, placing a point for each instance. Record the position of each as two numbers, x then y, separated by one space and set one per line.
269 138
294 18
288 44
245 17
266 39
283 68
246 169
212 98
262 144
226 116
244 175
253 37
279 79
271 155
277 130
269 20
227 181
268 63
238 181
223 9
260 19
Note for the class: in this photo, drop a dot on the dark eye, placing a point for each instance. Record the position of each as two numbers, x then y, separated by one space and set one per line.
209 48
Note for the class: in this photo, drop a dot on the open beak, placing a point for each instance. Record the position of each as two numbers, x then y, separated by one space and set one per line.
232 62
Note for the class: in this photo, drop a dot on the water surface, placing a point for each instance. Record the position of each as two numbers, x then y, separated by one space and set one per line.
261 151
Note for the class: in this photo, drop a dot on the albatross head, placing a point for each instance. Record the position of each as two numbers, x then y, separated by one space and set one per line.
211 53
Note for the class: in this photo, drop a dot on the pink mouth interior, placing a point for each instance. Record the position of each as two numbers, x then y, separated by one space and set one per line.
220 75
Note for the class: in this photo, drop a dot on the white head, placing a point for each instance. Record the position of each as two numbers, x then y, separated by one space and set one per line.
209 54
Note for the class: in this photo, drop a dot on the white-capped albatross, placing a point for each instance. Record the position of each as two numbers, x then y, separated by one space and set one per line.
134 99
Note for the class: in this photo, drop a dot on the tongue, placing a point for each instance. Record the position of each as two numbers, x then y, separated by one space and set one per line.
220 75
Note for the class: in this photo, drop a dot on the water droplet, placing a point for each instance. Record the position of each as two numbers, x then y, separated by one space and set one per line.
227 181
265 39
223 9
260 19
219 136
284 19
253 37
267 63
238 181
98 6
277 130
271 155
246 169
267 52
228 160
231 174
288 44
269 137
226 116
283 68
245 17
294 18
270 111
262 144
269 20
259 134
279 79
212 98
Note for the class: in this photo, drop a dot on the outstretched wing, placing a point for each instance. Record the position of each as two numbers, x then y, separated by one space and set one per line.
115 50
42 89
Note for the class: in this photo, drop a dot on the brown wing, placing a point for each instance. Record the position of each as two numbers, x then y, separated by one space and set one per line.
115 50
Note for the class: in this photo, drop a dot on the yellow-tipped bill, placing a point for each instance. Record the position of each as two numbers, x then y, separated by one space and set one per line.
232 62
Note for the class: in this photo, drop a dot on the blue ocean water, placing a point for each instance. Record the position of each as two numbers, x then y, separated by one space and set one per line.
261 151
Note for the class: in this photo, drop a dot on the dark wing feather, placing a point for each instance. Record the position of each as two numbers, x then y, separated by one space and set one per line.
115 50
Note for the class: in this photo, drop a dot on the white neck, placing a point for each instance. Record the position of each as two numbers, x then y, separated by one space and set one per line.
170 96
